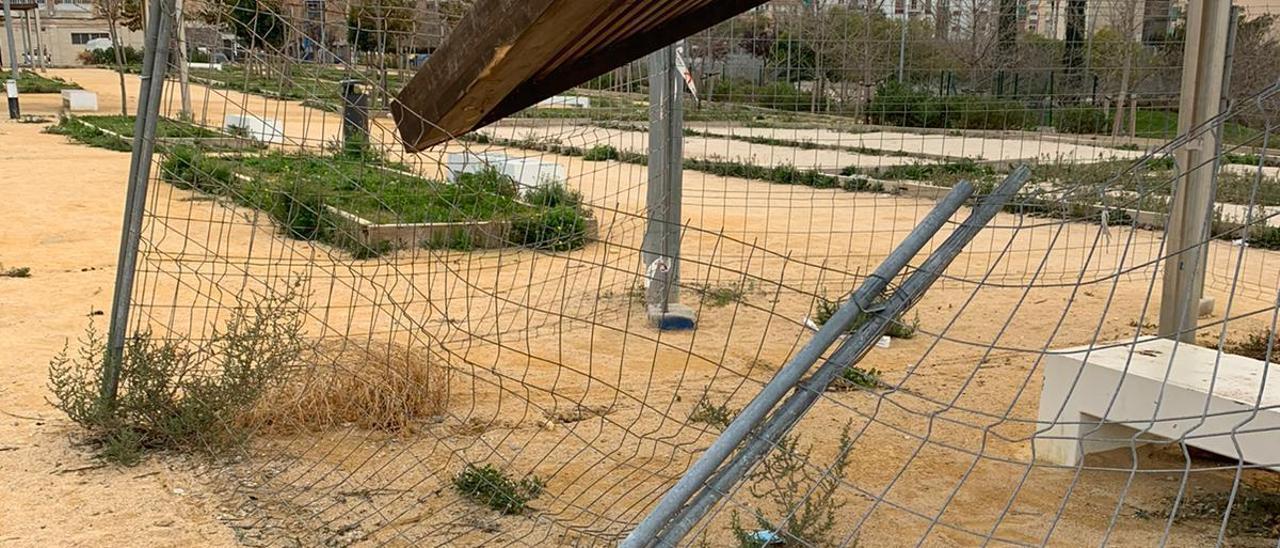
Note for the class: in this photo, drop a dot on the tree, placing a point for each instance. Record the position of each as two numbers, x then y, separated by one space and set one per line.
1255 65
256 23
1126 20
371 25
129 14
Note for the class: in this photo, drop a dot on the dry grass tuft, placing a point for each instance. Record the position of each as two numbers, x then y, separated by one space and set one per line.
383 386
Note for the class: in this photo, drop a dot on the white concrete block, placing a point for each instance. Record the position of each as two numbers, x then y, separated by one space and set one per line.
265 130
208 66
527 172
566 101
1124 396
79 100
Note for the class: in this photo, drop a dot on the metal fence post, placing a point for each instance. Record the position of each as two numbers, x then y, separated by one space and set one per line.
155 62
660 251
1190 217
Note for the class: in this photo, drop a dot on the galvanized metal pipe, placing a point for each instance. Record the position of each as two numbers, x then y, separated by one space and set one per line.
154 64
850 351
773 392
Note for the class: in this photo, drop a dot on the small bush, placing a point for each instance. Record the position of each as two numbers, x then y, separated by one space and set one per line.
1255 346
300 211
492 487
15 272
555 194
804 495
717 416
964 167
897 328
776 95
489 181
899 104
1264 237
857 377
553 229
187 168
176 394
1081 119
600 153
107 56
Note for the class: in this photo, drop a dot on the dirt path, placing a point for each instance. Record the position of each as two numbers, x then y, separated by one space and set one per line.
66 203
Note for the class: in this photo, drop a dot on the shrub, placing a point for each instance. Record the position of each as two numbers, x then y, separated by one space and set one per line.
15 272
1265 237
489 181
898 104
897 328
1081 119
776 95
717 416
803 493
300 211
179 394
107 56
600 153
187 168
555 194
938 173
492 487
1255 346
857 377
561 228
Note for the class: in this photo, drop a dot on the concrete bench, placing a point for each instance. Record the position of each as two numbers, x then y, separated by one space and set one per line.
79 100
1122 399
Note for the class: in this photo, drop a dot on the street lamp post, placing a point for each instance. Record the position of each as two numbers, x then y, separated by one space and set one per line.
11 86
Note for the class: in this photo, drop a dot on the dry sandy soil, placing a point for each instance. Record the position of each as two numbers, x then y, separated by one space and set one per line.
555 375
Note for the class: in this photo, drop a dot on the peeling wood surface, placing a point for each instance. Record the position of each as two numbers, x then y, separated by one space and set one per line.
507 55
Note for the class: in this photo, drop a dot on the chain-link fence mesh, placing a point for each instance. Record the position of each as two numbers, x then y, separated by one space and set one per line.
474 364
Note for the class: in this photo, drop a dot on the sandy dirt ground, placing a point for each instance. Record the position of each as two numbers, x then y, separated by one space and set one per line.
553 373
55 493
858 149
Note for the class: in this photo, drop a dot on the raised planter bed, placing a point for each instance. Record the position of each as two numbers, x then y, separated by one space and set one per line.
468 234
215 139
368 206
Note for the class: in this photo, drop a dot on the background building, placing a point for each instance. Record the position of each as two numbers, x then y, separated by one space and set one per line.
60 30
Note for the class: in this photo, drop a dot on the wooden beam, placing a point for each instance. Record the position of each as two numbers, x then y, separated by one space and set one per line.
507 55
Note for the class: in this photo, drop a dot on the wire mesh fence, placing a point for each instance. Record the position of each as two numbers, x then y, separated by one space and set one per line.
457 349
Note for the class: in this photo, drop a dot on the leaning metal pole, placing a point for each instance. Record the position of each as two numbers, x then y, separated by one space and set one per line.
660 249
155 62
787 377
852 349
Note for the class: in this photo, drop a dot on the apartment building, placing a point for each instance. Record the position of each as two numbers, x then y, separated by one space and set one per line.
59 30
